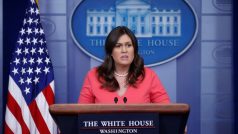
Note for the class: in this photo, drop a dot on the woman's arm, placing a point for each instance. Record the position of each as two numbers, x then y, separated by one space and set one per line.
158 93
86 94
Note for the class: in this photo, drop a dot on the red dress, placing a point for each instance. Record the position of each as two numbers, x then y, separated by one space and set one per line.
150 90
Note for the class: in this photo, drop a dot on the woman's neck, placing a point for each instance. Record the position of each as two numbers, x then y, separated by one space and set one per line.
121 69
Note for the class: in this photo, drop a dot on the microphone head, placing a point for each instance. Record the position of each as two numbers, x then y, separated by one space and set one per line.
124 99
115 99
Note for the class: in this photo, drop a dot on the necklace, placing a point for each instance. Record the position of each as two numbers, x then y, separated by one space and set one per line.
121 75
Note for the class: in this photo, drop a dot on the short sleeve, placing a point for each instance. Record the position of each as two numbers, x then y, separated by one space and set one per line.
158 93
86 94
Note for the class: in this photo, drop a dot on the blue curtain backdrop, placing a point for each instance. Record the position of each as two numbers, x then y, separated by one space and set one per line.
13 14
235 64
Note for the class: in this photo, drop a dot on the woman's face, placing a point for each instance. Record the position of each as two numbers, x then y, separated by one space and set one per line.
123 52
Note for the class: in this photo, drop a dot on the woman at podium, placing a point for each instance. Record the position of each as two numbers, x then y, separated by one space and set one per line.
122 77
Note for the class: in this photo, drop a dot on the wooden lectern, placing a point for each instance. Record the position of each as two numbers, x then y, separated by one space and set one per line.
83 118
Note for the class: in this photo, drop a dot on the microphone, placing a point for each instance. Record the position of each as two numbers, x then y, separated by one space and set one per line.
116 100
124 99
